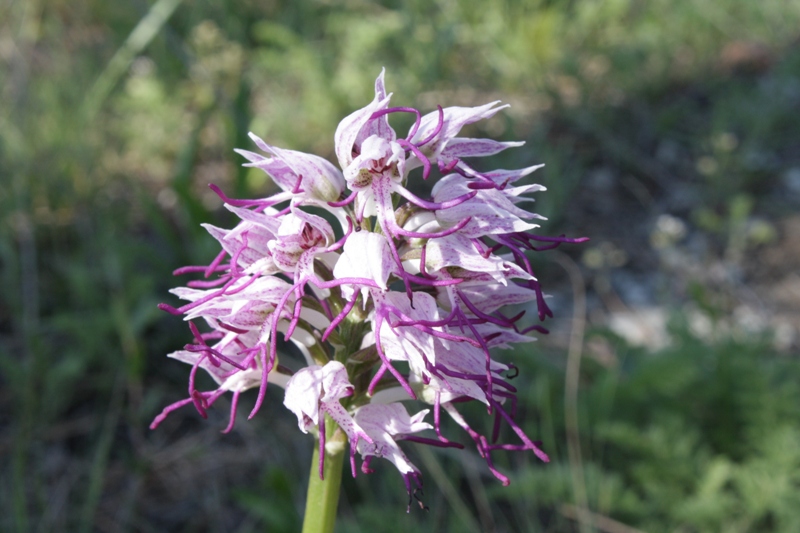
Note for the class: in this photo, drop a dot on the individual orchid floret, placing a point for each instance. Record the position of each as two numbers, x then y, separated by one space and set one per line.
304 178
438 129
234 371
413 341
377 155
248 242
299 233
243 306
360 124
387 424
390 298
458 252
317 390
491 211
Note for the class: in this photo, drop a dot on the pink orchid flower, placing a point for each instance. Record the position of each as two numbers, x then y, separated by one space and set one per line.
391 299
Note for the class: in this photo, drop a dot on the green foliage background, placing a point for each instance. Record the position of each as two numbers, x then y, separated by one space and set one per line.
116 115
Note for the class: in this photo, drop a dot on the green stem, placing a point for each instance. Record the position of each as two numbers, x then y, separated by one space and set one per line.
323 494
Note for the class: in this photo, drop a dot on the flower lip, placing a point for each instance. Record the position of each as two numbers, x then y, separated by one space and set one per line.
378 155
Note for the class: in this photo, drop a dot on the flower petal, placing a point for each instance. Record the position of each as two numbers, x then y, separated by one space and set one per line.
365 255
384 423
349 129
455 118
459 147
318 178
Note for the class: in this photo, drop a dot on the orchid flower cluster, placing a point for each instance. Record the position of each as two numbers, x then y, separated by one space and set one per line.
388 297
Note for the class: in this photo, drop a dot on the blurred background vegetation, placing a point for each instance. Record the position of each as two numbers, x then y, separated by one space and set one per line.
671 136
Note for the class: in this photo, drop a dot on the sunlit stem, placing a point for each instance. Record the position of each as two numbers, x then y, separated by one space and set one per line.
323 494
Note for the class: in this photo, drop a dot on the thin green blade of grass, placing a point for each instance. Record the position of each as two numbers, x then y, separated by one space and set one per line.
97 471
144 32
451 494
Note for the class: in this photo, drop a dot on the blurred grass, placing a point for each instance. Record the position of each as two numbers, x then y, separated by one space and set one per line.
107 144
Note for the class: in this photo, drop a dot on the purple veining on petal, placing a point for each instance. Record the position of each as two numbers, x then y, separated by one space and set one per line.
460 147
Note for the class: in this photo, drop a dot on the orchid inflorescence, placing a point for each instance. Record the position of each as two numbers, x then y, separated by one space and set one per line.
404 280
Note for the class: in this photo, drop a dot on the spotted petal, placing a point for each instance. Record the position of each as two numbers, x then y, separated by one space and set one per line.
305 174
316 389
454 119
385 424
349 129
